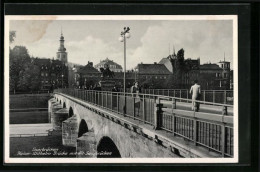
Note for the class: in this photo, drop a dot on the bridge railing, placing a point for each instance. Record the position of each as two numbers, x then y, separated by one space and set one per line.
211 130
215 96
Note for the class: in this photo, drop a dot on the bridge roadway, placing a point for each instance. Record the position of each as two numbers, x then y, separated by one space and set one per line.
185 135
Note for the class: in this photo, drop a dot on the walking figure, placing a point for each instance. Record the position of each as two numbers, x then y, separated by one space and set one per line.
195 91
136 90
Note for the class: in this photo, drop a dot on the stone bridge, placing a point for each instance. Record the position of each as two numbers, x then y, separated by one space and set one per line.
100 131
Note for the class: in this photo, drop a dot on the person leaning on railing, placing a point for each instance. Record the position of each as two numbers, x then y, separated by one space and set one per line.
195 91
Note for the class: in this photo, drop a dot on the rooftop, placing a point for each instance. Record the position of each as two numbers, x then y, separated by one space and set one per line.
153 69
210 67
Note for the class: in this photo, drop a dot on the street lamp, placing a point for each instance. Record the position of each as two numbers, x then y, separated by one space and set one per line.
124 34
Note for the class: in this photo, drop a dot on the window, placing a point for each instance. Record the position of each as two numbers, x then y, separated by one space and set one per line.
155 77
46 74
225 75
42 74
165 77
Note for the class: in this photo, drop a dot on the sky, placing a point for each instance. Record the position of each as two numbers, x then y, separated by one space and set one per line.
150 41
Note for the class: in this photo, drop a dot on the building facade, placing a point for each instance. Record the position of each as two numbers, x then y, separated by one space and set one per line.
53 73
210 76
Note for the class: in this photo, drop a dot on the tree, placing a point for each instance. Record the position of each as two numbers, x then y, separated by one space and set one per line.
179 68
19 58
29 79
12 35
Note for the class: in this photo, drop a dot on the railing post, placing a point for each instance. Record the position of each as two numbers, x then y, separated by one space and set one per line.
174 106
111 100
195 135
187 91
157 115
224 110
223 140
144 108
117 101
106 99
225 97
180 95
204 96
134 107
213 96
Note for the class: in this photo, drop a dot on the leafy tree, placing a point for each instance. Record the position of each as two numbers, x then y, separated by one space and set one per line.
12 35
179 68
29 78
19 58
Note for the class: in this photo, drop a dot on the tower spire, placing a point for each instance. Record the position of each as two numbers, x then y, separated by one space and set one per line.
224 56
61 31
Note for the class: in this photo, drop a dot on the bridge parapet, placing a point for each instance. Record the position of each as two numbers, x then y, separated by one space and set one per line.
213 131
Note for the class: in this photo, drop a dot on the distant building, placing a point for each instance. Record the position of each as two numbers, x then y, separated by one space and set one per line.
53 73
152 75
109 63
167 63
86 76
185 71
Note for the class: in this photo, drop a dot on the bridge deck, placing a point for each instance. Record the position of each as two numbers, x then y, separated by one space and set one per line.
167 138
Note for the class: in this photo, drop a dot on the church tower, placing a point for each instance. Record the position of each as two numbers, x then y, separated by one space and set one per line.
62 54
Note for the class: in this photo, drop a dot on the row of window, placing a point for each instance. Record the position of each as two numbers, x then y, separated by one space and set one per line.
218 75
46 82
57 66
156 77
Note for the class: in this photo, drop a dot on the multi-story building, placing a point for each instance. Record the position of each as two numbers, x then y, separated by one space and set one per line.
113 66
53 73
150 75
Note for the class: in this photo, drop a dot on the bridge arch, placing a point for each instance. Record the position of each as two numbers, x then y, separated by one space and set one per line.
71 113
106 145
83 128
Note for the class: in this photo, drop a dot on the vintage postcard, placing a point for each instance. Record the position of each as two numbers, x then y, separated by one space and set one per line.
121 89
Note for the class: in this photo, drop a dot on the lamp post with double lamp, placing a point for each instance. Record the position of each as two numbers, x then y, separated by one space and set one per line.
124 34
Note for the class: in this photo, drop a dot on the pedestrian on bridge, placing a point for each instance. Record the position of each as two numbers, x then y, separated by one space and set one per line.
135 91
195 91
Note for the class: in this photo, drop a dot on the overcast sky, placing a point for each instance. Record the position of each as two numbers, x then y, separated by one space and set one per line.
88 40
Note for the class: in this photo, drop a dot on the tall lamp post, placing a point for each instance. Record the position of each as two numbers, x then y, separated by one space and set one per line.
124 34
